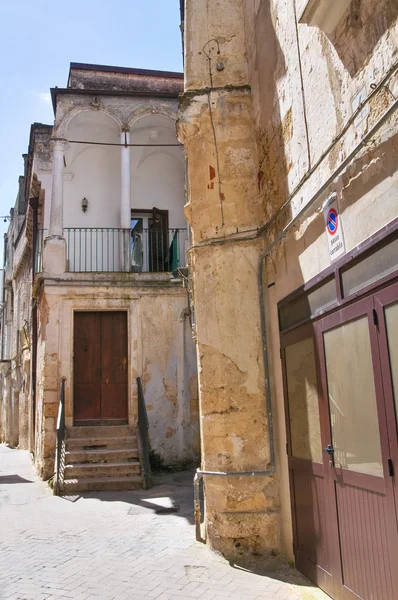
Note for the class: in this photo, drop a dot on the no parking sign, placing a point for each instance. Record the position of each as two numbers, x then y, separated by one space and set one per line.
334 230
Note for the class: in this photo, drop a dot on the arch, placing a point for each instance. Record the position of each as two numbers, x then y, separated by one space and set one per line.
62 127
146 111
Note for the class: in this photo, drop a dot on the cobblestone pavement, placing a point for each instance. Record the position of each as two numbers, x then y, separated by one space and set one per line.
126 546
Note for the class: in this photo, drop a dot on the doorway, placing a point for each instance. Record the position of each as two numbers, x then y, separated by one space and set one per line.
341 388
100 368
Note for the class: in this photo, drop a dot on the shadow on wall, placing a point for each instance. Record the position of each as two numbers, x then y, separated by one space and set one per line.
360 31
268 67
355 40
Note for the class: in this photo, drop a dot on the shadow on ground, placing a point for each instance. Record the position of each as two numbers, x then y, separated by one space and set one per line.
171 493
6 479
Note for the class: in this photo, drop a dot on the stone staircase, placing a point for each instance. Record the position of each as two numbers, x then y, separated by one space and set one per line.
101 458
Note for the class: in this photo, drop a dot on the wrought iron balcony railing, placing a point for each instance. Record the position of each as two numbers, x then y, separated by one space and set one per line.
112 249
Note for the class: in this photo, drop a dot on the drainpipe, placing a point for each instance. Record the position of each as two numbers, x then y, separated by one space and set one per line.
199 473
34 203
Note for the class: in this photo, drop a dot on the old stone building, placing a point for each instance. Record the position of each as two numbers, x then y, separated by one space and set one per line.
16 416
289 123
109 305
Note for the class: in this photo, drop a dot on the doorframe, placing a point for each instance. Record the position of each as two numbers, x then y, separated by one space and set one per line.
369 292
101 421
324 579
72 304
362 307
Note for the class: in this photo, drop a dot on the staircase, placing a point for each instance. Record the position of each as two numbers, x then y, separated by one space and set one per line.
101 458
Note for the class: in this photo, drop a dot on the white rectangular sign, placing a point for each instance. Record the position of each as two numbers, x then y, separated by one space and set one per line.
334 229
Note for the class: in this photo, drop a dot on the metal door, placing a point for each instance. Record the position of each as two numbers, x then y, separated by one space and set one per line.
362 513
310 498
386 307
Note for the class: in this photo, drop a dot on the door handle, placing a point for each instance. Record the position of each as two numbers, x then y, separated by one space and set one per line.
328 450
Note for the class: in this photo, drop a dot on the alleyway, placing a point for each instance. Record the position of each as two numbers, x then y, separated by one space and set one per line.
115 545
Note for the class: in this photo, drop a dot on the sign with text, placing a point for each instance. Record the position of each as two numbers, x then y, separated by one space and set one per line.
334 229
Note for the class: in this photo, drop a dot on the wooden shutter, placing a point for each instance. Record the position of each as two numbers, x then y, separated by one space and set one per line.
159 240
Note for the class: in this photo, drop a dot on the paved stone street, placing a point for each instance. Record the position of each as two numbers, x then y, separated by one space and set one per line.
116 545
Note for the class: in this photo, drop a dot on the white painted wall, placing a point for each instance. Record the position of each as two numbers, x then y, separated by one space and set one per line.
94 172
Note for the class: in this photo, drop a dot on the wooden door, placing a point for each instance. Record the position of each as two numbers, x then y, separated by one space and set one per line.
114 365
159 241
100 367
87 366
361 512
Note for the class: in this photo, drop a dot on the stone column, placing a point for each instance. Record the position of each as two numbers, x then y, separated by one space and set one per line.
125 201
56 214
55 248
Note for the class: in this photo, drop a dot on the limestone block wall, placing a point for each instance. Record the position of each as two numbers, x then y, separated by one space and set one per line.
268 115
225 209
160 351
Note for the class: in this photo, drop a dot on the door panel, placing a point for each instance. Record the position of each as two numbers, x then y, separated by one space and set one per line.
87 366
352 398
358 453
363 522
310 501
386 303
100 367
114 365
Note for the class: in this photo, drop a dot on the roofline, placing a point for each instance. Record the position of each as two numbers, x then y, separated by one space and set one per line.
98 93
128 70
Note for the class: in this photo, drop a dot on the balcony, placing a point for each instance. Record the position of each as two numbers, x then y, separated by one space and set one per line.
116 250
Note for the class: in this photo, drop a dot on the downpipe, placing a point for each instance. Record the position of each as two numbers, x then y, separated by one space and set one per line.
200 474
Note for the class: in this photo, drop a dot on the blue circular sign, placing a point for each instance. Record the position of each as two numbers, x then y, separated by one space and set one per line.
332 221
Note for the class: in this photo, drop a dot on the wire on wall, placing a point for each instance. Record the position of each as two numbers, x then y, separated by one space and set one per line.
207 49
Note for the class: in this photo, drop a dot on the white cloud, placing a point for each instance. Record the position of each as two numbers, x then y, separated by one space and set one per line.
45 97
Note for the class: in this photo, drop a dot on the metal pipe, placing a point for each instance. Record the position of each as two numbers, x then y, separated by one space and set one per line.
196 489
199 473
124 144
196 501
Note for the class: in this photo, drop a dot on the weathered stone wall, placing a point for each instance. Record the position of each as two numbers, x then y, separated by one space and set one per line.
266 119
216 126
120 79
159 351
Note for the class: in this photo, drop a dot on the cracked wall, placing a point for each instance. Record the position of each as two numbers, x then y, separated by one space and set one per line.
160 351
265 119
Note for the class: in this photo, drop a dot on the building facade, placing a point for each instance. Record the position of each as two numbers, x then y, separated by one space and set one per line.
108 286
289 123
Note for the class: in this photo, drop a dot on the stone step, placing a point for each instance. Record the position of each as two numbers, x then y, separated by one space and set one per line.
101 443
101 470
100 456
105 431
98 484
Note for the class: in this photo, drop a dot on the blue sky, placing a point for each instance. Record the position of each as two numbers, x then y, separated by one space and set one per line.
39 38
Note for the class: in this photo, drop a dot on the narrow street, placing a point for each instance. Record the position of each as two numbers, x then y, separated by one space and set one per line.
109 545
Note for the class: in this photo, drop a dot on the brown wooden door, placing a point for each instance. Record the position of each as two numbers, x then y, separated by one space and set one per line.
362 516
100 367
87 366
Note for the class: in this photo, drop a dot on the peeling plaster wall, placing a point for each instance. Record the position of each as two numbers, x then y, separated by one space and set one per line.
159 351
287 109
258 141
217 129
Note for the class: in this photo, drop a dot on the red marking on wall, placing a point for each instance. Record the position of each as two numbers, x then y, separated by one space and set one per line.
212 172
